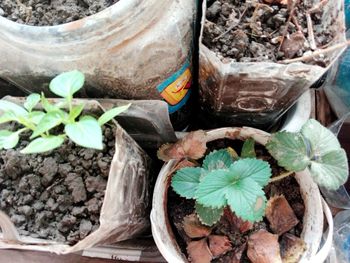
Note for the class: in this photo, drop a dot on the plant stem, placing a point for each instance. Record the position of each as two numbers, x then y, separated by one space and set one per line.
280 177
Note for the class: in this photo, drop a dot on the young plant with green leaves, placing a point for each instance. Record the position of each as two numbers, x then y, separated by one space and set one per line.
226 180
84 130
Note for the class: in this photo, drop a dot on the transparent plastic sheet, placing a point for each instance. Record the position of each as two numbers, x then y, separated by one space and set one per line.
125 209
257 94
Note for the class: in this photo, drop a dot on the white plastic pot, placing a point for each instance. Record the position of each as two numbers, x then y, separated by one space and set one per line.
312 221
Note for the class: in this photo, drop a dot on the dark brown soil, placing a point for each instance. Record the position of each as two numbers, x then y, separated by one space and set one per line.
179 207
51 12
256 36
57 195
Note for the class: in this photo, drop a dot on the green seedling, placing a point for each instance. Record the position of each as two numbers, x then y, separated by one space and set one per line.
84 130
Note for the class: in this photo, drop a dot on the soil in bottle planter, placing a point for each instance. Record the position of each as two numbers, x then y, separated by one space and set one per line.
56 195
51 12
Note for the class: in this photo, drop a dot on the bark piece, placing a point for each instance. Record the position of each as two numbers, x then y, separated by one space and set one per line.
219 245
236 222
293 44
194 228
198 252
192 146
280 215
292 248
263 247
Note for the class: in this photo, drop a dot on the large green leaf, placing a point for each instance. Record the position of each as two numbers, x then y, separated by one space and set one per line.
248 149
49 121
31 101
208 215
256 169
220 159
110 114
10 106
8 116
67 83
43 144
186 180
330 170
8 139
290 150
86 132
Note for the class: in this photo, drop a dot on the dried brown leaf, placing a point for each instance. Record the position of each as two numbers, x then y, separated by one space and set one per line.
219 245
263 247
292 248
293 44
236 222
194 228
198 252
280 215
192 146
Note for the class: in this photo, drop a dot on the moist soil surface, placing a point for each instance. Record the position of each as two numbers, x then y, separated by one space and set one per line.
179 207
56 195
252 31
50 12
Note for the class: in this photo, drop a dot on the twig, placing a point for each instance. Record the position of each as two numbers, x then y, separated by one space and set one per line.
310 31
316 53
280 177
291 14
232 26
296 23
318 7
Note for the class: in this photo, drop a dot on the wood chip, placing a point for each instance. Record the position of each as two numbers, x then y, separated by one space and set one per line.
198 252
293 44
194 228
280 215
263 247
219 245
292 248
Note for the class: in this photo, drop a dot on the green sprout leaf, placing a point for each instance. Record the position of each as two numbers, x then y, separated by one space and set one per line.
86 132
186 180
7 106
67 83
49 121
8 139
31 101
8 116
290 150
76 111
220 159
43 144
248 149
110 114
48 107
208 215
36 116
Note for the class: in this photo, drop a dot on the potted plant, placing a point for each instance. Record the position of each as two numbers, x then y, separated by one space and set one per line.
223 206
69 180
257 57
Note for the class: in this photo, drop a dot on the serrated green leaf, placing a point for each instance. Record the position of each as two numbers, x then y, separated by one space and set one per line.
67 83
321 139
36 116
31 101
76 111
43 144
10 106
186 180
86 132
48 107
8 139
220 159
330 170
248 149
49 121
258 170
208 216
110 114
290 150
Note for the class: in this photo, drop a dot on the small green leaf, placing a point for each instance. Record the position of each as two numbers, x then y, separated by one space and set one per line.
86 132
110 114
220 159
289 149
10 106
8 139
36 116
47 105
67 83
256 169
49 121
31 101
330 170
76 111
248 149
208 216
186 180
43 144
